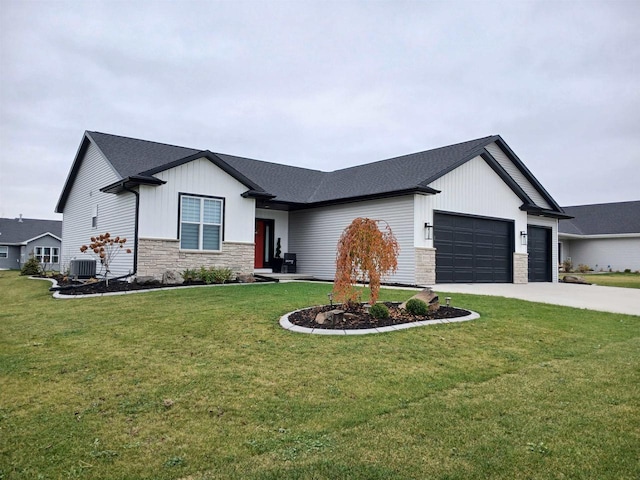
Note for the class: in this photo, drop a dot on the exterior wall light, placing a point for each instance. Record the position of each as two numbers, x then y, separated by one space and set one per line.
523 237
428 231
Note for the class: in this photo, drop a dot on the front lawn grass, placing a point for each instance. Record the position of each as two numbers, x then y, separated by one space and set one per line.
203 384
618 279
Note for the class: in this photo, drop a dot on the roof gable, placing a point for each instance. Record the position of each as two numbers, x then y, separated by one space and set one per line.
20 231
602 219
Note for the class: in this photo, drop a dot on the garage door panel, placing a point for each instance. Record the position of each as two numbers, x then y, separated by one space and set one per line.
539 251
471 249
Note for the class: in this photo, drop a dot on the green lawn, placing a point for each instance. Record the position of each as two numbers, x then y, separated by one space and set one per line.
627 280
203 384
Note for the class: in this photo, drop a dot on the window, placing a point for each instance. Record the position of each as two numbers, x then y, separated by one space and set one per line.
47 254
4 252
94 217
200 223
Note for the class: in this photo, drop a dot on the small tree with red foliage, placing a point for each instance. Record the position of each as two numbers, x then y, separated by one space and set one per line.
365 252
106 248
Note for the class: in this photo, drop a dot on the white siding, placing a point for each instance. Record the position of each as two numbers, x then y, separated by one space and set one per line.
616 254
473 189
314 234
281 225
517 175
551 223
159 205
116 213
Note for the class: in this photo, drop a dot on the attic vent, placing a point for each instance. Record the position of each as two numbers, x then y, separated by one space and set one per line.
82 268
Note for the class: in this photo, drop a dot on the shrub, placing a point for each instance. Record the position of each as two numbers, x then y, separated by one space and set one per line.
189 275
567 266
379 310
214 275
31 267
583 268
627 270
416 306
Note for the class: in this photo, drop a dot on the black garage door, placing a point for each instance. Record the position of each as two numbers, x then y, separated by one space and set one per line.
472 249
539 250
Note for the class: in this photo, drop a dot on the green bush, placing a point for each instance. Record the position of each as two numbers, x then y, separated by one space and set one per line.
31 267
379 310
416 306
214 275
189 275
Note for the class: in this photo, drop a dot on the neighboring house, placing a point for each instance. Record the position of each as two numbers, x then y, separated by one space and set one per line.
604 236
461 213
22 237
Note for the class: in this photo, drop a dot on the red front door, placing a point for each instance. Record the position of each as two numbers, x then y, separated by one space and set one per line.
259 242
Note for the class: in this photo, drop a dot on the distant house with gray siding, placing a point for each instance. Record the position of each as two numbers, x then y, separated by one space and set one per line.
604 236
469 212
21 238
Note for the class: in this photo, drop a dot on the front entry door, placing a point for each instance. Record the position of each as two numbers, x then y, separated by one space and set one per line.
263 243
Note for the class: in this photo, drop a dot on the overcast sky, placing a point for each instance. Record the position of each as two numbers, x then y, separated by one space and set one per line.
323 85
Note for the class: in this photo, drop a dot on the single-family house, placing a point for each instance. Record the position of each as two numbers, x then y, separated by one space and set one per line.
469 212
21 238
604 237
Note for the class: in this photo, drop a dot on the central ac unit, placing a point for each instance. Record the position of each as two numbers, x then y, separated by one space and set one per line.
82 268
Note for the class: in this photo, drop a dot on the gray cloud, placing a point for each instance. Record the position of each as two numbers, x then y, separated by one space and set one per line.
323 85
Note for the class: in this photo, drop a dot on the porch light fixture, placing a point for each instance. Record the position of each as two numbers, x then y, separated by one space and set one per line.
428 230
447 301
523 237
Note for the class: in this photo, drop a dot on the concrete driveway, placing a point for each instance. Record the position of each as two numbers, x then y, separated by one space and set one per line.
592 297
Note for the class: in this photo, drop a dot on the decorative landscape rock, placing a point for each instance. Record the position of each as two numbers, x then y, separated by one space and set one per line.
245 278
428 296
172 277
575 279
331 316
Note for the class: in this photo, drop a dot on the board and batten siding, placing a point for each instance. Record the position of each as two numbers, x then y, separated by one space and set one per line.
517 175
551 223
159 205
116 213
471 189
314 234
280 224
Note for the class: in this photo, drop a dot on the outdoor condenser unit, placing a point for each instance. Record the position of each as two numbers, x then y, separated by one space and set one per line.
82 268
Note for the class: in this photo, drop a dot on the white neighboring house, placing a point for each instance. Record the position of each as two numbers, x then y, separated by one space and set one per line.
469 212
605 237
21 238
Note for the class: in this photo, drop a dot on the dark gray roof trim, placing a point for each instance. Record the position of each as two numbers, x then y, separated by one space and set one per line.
130 182
619 218
506 178
544 212
527 173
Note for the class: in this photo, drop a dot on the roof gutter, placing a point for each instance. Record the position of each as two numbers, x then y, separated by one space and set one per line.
575 236
135 229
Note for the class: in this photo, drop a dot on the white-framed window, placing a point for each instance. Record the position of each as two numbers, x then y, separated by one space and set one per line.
4 251
94 217
201 221
47 254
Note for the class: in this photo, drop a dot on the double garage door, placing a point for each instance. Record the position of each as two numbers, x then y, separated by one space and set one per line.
472 249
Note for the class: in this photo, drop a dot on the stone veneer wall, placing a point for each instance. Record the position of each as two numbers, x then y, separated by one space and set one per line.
520 267
157 256
425 266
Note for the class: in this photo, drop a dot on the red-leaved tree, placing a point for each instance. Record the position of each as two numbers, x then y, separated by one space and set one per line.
106 248
366 252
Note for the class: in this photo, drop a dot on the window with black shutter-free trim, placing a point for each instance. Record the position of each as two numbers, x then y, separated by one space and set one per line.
201 223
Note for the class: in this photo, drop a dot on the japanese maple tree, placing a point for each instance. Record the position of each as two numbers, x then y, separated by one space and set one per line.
367 250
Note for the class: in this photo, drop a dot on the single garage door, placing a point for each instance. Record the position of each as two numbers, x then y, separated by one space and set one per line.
539 250
473 250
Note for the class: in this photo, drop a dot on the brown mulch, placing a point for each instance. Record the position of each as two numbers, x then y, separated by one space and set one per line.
357 318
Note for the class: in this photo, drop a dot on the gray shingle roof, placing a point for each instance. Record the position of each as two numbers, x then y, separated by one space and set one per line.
130 156
137 160
13 231
290 184
602 219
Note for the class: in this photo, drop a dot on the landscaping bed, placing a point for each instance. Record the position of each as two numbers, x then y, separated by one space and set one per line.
357 317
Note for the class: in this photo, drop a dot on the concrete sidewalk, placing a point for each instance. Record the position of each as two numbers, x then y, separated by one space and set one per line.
592 297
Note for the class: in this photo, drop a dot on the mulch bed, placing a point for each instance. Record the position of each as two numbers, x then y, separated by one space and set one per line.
71 287
357 317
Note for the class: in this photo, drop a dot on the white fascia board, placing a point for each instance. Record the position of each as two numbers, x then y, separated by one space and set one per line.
571 236
40 236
